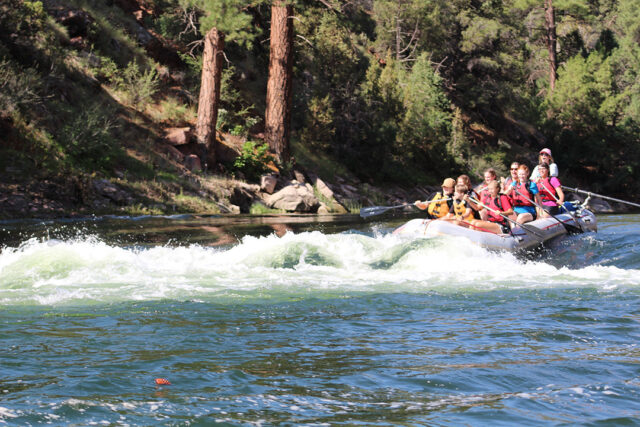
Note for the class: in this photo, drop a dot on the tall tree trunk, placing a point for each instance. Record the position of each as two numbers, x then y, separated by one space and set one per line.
209 94
550 20
278 112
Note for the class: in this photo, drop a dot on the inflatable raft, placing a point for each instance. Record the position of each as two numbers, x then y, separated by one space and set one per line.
532 235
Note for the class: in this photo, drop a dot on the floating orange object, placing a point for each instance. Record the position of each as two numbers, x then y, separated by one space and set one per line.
162 381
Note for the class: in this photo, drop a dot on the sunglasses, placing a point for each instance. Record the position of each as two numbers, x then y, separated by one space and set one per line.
514 169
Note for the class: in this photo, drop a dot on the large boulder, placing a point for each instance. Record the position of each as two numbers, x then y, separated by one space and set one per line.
178 136
295 197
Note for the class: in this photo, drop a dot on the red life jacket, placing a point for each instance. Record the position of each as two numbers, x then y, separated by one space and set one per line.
496 204
523 189
548 192
485 195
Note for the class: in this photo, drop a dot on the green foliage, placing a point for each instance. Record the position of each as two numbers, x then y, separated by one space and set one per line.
18 88
628 19
260 209
173 110
319 129
87 138
228 16
253 160
426 125
139 86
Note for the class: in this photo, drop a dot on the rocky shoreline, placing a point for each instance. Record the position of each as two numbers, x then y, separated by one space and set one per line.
305 193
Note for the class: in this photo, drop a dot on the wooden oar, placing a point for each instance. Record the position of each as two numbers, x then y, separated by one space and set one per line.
569 228
588 193
477 202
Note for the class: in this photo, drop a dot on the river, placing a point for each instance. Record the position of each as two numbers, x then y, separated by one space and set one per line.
333 322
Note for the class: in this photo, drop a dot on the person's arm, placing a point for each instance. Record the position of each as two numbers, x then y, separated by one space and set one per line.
472 204
467 212
560 196
555 182
553 169
533 188
422 205
506 205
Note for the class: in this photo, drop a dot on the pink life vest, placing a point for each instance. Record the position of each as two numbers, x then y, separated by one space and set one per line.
548 192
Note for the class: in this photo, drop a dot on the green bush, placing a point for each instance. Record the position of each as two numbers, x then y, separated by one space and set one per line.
18 88
139 86
253 161
87 138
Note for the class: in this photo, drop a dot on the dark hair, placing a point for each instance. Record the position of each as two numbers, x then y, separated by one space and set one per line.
543 165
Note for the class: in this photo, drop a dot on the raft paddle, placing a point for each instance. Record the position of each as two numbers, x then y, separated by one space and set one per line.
477 202
589 193
377 210
562 206
569 228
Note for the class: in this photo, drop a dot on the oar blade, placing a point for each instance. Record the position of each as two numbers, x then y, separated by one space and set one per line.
373 210
377 210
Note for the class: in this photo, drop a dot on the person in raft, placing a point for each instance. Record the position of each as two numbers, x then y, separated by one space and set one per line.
545 157
551 192
499 203
466 181
505 184
441 203
524 196
460 212
484 193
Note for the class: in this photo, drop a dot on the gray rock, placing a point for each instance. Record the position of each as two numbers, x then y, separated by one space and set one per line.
107 190
299 176
295 197
268 183
322 187
242 198
178 136
323 209
192 162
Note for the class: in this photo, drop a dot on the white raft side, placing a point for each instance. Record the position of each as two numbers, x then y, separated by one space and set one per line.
546 228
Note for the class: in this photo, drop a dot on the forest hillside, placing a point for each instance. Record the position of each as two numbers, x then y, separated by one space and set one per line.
102 96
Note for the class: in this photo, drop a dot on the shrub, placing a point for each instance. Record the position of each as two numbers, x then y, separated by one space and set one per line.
87 138
138 86
17 89
253 161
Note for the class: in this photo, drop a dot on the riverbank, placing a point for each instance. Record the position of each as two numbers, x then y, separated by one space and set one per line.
194 193
198 193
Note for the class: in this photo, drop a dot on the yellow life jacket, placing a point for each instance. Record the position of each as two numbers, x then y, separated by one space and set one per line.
438 209
459 208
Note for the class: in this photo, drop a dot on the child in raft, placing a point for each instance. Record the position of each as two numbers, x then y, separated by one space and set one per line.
524 196
460 213
551 192
500 207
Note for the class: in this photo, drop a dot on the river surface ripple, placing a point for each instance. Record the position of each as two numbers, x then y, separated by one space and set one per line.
336 322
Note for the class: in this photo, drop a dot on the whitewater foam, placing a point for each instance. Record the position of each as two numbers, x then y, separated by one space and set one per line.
87 270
